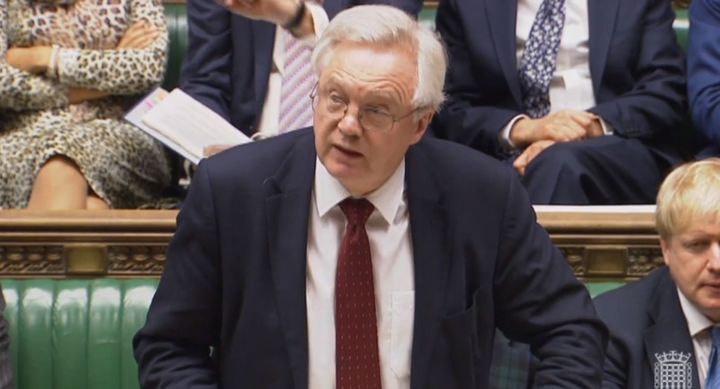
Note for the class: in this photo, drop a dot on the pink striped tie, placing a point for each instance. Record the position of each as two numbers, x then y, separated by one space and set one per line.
297 83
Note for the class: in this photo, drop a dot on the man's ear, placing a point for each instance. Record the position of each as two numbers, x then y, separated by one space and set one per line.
665 247
422 125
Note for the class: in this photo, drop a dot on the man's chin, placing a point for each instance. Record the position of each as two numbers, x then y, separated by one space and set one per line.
709 303
342 170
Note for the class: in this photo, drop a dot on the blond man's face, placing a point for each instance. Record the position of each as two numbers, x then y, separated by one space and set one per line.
693 257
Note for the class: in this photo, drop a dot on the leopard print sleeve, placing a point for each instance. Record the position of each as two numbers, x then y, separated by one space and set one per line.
120 72
20 90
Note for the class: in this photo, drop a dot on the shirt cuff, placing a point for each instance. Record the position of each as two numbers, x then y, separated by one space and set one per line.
320 22
505 133
607 129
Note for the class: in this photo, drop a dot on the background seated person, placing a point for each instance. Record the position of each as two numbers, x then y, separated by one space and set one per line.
704 70
585 99
664 328
359 255
249 60
69 69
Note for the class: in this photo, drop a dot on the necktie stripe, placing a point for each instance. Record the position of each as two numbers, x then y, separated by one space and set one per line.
299 104
713 378
297 83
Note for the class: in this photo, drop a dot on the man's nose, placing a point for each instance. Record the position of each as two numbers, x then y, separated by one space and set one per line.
350 122
714 255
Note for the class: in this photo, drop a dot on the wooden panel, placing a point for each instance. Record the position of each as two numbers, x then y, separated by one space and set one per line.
599 246
118 243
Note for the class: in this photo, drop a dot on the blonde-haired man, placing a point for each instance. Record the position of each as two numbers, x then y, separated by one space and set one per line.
662 326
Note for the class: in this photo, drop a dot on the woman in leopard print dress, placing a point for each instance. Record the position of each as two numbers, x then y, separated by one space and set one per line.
68 71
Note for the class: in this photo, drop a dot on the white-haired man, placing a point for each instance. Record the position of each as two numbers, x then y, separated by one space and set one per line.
359 255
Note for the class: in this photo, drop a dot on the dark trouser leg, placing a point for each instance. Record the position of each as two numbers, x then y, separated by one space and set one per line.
604 170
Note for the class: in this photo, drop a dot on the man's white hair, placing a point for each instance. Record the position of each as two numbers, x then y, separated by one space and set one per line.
389 26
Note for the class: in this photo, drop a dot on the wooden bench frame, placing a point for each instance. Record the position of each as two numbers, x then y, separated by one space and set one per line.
614 245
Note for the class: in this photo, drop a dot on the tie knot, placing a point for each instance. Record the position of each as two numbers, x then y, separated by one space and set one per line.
357 211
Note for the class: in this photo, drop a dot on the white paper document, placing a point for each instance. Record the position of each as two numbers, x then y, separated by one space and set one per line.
183 124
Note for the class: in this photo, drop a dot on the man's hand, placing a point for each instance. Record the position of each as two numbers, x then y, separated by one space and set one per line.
209 151
279 12
562 126
33 60
139 36
529 154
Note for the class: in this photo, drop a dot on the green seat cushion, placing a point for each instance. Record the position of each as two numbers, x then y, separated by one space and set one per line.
75 334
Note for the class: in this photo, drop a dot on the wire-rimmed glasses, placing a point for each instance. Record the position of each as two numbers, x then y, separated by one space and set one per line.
370 118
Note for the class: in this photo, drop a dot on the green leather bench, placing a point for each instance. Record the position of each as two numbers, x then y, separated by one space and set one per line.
77 334
177 29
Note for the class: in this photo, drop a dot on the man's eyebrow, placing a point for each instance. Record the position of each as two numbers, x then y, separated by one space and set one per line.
385 95
333 81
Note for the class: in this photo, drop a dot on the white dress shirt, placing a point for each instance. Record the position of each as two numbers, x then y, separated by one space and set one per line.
571 85
391 250
270 118
700 327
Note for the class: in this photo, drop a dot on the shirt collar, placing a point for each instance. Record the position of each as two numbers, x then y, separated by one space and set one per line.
697 322
387 199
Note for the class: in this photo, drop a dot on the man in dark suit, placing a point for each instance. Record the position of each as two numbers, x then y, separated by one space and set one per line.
704 70
663 328
360 254
234 55
584 98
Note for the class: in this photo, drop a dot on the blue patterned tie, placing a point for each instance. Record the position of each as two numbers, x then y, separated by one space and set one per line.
713 377
537 64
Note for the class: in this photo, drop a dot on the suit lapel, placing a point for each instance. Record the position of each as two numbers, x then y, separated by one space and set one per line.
430 255
502 18
288 196
263 45
602 15
670 332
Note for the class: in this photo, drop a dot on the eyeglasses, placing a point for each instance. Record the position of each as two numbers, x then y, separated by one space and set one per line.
370 118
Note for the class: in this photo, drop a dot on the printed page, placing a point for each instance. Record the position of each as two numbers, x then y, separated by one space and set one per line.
186 125
134 116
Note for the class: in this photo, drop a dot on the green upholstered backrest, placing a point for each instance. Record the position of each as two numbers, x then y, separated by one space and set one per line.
595 288
177 29
681 26
75 334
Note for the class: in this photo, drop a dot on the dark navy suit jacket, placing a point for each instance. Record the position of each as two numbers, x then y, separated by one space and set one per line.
704 67
636 66
229 57
236 269
645 320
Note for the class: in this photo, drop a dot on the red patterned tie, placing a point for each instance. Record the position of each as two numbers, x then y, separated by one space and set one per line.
297 83
356 353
